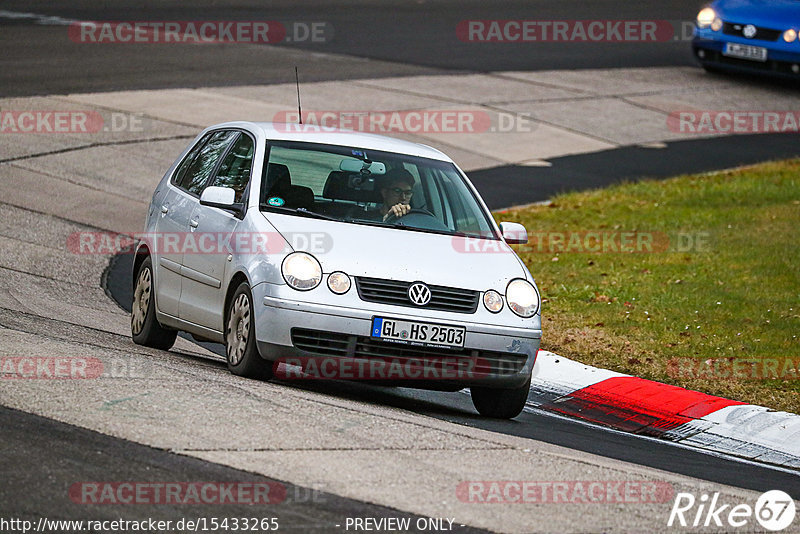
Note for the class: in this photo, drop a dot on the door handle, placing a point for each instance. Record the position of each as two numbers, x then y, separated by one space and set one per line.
194 223
164 209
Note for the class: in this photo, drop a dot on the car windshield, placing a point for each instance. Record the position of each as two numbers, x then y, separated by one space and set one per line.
361 186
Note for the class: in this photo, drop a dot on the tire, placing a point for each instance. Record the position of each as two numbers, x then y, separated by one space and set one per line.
241 351
145 328
500 403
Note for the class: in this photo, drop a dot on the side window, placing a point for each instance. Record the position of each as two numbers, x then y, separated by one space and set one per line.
194 180
181 170
235 169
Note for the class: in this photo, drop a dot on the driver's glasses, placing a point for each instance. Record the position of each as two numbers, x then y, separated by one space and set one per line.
404 192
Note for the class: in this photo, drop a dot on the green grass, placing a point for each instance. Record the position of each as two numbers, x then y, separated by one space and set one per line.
735 297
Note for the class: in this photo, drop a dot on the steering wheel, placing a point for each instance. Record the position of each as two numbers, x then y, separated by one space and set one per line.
418 211
420 218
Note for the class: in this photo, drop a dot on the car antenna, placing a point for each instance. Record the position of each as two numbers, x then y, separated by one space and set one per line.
297 83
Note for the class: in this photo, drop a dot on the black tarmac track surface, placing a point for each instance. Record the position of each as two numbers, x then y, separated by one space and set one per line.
372 38
40 458
457 408
50 471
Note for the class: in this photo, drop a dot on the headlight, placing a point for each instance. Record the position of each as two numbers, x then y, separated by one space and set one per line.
717 24
522 297
493 301
789 35
706 17
339 283
301 271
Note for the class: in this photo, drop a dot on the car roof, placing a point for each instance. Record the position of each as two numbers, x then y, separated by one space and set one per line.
312 133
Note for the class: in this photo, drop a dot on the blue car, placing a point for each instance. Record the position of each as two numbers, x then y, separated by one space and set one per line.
756 36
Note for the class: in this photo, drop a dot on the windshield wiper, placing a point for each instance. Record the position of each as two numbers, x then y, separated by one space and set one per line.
455 233
301 211
309 213
304 212
402 226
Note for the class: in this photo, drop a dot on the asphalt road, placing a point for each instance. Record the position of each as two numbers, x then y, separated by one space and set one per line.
368 39
457 408
500 186
361 39
36 481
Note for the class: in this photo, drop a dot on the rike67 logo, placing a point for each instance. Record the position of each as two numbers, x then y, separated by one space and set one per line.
774 511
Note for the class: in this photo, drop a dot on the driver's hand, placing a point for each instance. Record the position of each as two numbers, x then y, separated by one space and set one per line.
398 210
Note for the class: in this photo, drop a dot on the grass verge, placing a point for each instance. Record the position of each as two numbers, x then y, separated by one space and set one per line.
693 281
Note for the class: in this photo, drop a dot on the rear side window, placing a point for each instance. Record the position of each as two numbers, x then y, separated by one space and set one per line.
234 172
196 175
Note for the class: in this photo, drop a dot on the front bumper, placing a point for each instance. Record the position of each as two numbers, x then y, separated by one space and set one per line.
708 51
494 355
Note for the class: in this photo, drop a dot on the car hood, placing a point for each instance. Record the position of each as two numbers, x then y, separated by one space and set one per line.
774 14
363 250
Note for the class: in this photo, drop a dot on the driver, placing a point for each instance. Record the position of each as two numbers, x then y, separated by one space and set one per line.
396 190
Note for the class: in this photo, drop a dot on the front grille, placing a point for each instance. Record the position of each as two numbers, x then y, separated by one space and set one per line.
762 34
484 362
396 293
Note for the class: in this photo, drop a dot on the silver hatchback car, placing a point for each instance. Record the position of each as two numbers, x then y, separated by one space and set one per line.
318 253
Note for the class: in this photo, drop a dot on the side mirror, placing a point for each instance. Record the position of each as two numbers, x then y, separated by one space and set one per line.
514 233
220 197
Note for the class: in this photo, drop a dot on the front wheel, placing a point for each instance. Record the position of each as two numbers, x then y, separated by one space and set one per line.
500 403
145 328
240 339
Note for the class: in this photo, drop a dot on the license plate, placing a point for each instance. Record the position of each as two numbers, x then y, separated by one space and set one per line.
753 53
418 333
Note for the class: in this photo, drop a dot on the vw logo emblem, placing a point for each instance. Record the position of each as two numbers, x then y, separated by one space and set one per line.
419 294
749 31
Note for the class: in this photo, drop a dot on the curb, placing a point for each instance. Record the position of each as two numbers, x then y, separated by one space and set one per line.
631 404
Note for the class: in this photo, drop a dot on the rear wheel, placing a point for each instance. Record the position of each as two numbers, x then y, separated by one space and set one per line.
500 403
240 340
145 328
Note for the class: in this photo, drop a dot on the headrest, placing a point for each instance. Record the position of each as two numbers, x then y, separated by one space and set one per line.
278 177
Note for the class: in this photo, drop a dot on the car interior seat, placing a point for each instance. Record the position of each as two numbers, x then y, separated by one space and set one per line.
280 185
